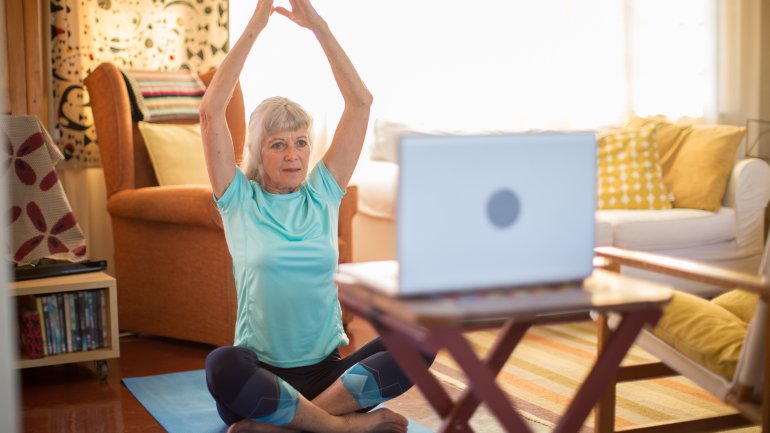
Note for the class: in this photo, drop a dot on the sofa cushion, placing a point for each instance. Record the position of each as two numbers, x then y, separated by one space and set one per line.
176 152
629 175
696 160
387 134
669 229
603 234
702 331
701 165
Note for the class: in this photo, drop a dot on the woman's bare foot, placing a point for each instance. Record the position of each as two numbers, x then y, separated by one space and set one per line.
249 426
377 421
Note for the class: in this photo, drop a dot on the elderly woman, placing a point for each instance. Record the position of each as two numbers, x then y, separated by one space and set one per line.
284 371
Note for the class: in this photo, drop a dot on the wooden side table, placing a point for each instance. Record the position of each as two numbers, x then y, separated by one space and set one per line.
438 322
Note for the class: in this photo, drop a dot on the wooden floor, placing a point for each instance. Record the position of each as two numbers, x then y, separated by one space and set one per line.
71 398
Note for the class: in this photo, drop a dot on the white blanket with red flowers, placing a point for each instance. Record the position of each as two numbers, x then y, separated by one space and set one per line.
42 222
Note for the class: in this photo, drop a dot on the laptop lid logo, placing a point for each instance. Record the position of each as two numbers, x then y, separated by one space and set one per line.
503 208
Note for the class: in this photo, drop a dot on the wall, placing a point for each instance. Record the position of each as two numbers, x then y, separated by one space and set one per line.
764 55
5 101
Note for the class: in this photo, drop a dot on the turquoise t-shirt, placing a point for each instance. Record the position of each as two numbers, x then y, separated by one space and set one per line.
284 250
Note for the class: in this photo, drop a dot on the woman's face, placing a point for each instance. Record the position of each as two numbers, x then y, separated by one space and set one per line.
284 161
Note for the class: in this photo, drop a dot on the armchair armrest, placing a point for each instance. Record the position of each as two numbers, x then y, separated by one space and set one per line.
182 204
348 209
616 257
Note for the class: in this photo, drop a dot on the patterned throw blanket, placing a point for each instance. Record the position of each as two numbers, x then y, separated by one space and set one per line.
42 222
162 95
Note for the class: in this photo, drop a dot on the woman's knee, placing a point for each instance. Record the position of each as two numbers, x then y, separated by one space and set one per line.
243 389
375 379
228 366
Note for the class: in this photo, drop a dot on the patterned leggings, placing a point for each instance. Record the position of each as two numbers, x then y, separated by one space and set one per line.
245 387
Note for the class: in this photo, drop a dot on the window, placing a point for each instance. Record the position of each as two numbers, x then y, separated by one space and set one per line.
497 64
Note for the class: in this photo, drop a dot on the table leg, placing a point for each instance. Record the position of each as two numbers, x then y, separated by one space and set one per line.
480 379
509 338
605 369
604 415
410 359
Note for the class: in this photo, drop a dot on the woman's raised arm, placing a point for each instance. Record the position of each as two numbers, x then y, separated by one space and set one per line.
217 141
342 156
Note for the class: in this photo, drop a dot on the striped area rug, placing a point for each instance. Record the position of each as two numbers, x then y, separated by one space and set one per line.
545 370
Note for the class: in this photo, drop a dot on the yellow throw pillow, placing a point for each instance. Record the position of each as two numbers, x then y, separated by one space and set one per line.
699 165
739 302
629 172
696 159
703 332
666 135
176 152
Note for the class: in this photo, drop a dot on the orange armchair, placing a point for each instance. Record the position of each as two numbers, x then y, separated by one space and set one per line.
173 269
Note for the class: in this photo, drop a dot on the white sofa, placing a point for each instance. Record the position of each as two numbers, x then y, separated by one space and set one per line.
732 237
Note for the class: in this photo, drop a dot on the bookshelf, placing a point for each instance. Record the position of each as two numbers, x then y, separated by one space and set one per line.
76 283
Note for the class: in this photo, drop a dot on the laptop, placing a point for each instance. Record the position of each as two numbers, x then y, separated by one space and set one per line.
485 212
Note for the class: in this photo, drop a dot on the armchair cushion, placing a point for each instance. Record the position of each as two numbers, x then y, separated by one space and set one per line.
159 95
739 302
703 331
176 152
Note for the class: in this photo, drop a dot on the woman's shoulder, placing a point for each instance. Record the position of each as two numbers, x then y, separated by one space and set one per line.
320 181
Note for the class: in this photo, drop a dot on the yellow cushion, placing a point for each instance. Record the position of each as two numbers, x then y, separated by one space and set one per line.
704 332
701 164
666 135
176 152
696 159
739 302
629 172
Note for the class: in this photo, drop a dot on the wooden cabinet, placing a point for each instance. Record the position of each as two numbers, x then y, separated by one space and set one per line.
74 283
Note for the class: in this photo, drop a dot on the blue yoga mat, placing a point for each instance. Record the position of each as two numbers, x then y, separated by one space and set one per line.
181 403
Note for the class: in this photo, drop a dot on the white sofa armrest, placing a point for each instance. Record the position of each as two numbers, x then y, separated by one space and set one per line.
748 191
749 185
377 183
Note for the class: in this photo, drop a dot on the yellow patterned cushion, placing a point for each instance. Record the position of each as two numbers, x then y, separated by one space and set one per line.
666 135
176 152
629 172
704 332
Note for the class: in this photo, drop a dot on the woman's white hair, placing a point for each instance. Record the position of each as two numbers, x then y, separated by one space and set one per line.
275 114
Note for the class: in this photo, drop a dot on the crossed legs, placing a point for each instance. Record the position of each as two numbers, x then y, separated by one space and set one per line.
331 396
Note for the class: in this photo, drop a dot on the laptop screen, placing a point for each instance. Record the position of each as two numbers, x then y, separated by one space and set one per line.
476 212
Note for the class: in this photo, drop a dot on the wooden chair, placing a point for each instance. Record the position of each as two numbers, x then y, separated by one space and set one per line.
747 390
173 270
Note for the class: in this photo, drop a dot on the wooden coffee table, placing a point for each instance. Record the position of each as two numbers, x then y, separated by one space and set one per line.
439 322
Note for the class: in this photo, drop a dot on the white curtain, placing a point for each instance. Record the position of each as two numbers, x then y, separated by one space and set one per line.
513 64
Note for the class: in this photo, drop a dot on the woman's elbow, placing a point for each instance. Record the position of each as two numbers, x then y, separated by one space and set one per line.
368 99
363 100
209 111
205 109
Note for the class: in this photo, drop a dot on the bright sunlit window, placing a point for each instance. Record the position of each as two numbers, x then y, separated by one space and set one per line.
672 57
496 64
